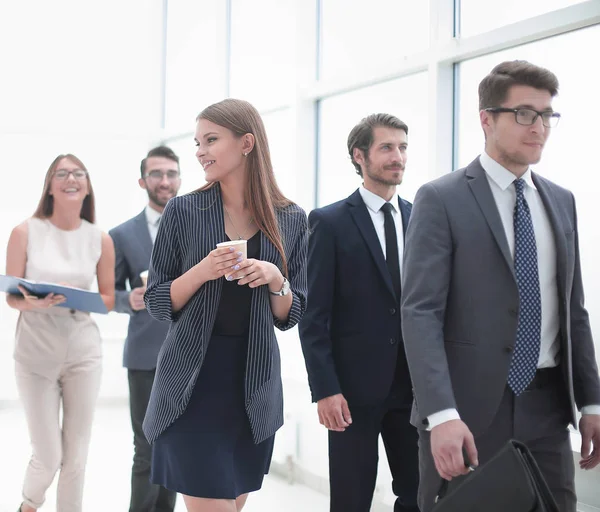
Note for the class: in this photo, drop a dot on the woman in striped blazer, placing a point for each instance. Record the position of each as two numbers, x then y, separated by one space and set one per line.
217 398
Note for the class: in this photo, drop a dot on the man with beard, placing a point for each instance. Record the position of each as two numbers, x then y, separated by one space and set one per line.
133 247
351 334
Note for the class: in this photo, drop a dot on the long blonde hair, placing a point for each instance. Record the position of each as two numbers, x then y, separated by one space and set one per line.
262 195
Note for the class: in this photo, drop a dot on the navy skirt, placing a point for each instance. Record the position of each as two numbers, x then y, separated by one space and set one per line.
208 452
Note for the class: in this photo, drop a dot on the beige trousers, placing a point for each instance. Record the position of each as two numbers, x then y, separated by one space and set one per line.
58 363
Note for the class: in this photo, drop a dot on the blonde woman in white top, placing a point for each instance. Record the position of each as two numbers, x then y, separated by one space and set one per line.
58 355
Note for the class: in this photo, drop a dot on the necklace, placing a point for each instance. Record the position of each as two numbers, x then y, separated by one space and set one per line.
240 237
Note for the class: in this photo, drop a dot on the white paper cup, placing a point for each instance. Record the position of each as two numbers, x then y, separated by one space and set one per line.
144 276
239 245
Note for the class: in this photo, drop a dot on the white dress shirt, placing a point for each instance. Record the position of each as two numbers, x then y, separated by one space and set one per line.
153 219
505 196
374 204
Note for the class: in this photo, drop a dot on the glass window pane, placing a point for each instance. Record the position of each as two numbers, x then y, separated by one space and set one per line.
406 98
278 125
196 60
477 16
358 38
79 66
192 174
262 52
571 152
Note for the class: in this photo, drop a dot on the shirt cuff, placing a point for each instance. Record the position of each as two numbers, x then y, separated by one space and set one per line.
438 418
590 409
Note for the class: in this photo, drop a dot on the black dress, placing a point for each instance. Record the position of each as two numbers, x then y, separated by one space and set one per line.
208 452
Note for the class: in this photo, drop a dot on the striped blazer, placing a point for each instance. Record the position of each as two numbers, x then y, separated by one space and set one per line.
191 227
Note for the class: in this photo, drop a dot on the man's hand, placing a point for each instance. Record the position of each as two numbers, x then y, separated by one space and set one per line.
589 426
334 413
447 442
136 298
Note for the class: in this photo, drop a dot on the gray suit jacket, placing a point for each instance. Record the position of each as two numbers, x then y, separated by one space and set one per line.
145 335
460 299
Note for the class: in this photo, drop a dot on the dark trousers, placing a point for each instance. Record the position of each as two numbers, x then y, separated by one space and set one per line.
539 418
353 458
145 496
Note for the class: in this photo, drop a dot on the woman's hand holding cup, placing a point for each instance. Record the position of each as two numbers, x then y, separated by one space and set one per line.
219 262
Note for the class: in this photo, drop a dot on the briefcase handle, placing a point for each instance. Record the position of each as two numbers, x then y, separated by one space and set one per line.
445 483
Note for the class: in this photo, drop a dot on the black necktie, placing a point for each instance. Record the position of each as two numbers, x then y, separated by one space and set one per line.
391 247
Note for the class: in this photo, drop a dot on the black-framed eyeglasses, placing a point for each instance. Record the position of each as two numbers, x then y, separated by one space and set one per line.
158 175
63 174
528 116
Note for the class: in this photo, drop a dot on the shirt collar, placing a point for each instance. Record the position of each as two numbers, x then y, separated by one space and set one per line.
500 175
375 202
152 216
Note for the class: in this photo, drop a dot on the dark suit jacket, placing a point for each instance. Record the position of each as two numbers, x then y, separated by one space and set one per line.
145 335
350 332
191 227
460 299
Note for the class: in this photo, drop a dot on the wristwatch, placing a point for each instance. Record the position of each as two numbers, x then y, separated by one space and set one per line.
285 289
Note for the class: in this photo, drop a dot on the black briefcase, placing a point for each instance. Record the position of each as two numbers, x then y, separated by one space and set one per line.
510 481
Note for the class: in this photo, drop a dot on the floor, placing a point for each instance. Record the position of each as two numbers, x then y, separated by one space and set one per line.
107 480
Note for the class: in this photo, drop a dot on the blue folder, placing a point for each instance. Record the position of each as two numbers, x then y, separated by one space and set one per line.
77 298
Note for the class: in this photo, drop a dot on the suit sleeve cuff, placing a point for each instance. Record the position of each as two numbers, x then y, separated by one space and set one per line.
438 418
293 316
590 409
122 302
158 302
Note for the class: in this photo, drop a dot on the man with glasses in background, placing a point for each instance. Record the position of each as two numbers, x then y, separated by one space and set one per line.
133 240
497 337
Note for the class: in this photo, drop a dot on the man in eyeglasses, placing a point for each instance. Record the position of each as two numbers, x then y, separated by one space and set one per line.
496 333
133 240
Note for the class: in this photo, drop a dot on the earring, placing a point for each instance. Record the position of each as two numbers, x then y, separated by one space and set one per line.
245 154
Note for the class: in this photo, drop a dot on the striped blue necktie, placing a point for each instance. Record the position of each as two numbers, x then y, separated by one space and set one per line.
527 347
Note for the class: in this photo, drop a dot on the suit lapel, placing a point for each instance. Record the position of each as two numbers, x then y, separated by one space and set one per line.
143 233
363 221
405 209
480 188
213 223
558 228
268 252
210 207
